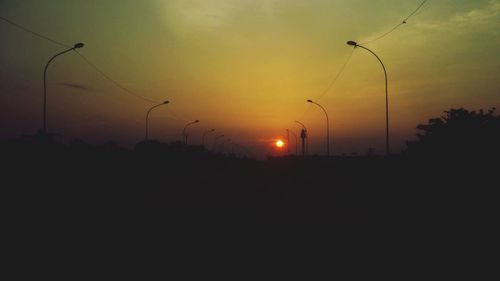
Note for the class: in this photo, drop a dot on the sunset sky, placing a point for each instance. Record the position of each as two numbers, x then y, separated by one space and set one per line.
246 68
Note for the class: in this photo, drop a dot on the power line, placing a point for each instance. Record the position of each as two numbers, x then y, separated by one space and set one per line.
332 83
416 10
34 33
336 78
81 55
112 80
398 25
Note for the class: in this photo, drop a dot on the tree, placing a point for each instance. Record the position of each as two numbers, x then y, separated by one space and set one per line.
459 133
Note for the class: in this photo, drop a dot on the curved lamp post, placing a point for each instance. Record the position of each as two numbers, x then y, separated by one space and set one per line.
327 127
76 46
184 131
354 44
205 134
147 116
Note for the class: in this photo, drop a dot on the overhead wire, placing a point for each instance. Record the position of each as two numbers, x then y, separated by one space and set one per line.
98 70
330 86
34 33
91 64
403 22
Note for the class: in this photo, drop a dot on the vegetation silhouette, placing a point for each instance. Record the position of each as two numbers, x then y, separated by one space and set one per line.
460 133
441 179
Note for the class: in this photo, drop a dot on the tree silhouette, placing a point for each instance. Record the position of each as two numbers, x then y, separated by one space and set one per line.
459 133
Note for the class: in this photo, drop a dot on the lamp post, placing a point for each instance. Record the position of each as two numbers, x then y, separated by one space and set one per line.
76 46
205 134
184 131
296 141
327 127
215 141
147 116
354 44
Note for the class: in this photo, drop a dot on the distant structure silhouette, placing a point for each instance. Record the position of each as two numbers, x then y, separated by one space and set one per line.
303 136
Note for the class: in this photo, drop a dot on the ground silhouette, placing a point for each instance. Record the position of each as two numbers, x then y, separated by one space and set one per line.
446 177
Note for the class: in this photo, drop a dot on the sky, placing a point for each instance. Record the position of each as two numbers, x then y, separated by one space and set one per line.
246 68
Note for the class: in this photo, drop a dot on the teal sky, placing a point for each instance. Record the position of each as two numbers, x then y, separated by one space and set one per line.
246 67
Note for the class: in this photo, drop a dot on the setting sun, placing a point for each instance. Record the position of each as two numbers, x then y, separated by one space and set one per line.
279 143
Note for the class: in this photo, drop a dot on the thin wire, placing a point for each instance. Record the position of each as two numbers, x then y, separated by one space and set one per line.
34 33
112 80
384 35
81 55
416 10
336 78
334 81
398 25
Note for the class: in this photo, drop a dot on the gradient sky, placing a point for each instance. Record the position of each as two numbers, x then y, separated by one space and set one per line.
246 67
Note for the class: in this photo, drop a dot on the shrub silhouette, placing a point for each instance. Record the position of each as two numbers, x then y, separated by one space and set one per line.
459 133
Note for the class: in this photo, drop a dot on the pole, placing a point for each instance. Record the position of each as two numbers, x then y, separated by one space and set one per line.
45 87
387 142
327 127
147 116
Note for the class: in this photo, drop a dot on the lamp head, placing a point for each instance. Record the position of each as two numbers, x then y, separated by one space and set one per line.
352 43
309 101
78 45
196 121
165 102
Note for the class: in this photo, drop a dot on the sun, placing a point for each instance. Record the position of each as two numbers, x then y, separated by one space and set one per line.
279 144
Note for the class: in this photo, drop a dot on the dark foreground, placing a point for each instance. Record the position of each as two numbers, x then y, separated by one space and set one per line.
101 204
172 185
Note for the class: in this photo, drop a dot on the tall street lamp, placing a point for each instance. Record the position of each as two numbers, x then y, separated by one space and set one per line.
147 116
76 46
205 134
184 131
327 127
354 44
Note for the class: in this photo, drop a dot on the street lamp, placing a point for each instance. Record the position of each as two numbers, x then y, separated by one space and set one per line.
147 116
327 127
76 46
354 44
204 135
296 141
184 131
215 141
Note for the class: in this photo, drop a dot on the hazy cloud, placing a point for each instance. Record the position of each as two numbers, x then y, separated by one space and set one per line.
487 17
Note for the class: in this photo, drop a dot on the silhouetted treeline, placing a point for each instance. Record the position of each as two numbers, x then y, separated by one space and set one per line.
170 184
460 133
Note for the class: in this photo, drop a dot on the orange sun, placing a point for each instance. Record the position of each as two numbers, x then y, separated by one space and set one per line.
279 144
